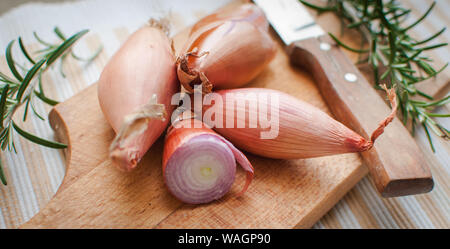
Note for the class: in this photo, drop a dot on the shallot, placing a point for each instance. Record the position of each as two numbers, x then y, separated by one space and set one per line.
199 165
226 49
134 92
273 124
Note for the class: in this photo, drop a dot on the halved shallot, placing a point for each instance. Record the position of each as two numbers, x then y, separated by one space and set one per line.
134 91
226 49
273 124
199 165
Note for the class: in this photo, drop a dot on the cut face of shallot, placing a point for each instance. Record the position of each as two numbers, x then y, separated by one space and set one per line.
201 170
199 166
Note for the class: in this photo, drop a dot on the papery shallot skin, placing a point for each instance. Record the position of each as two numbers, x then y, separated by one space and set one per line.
245 12
304 131
226 50
134 92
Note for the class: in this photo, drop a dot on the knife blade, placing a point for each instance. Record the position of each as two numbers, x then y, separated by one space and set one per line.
395 163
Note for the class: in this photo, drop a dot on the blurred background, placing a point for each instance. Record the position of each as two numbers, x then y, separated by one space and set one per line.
5 5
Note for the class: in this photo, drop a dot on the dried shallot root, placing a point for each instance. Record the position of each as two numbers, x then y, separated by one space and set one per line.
226 50
134 92
199 166
284 127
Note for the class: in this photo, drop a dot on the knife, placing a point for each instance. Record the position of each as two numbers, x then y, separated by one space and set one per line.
395 162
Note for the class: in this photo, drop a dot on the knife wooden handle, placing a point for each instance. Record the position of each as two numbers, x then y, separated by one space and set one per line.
395 162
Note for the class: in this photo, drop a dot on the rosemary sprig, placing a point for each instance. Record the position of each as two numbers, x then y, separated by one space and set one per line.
394 55
24 89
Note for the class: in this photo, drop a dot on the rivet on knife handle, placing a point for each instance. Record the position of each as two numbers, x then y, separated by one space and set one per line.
395 162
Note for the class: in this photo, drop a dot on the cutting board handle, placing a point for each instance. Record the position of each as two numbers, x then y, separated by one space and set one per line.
395 162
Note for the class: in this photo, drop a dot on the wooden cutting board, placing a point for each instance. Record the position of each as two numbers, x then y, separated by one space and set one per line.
284 193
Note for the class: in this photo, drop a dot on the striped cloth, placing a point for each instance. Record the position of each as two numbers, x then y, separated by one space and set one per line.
35 172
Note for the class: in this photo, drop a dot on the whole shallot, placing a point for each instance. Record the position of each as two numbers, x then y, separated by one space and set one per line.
226 49
134 91
273 124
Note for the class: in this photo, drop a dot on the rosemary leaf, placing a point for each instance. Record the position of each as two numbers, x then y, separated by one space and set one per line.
318 8
3 104
421 18
64 46
347 47
25 112
47 100
430 38
434 46
89 59
59 33
28 79
11 63
24 51
35 111
38 140
424 94
2 174
6 78
42 41
438 115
